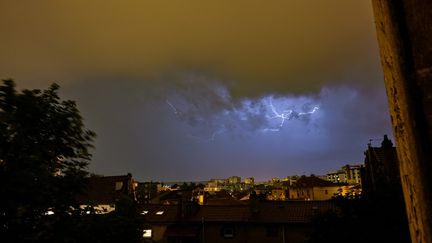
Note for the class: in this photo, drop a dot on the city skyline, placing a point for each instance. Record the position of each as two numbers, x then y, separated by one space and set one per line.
188 92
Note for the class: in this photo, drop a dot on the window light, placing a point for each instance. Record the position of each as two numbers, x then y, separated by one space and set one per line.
147 233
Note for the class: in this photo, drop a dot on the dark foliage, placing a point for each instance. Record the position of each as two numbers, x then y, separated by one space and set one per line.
123 225
372 219
44 151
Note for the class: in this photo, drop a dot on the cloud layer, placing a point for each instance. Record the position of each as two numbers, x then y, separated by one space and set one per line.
198 89
196 130
256 47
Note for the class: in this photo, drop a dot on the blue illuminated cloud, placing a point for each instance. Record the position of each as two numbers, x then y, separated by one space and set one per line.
192 127
210 111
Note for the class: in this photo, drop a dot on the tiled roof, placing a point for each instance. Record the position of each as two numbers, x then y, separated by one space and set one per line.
224 202
260 212
291 211
105 190
149 213
181 231
233 213
312 181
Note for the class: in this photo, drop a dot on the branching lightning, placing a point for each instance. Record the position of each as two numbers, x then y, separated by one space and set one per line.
263 115
287 114
309 112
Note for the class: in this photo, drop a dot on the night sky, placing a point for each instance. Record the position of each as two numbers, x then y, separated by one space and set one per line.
193 90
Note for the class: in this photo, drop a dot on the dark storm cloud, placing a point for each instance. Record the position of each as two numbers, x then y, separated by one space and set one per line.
207 105
209 134
184 90
259 47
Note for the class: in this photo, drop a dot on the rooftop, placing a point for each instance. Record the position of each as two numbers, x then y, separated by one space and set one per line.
259 212
313 181
105 189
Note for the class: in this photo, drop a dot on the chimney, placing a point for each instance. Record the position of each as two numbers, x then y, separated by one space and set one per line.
386 143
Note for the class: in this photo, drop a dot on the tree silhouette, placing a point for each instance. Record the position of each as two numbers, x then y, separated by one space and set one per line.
44 151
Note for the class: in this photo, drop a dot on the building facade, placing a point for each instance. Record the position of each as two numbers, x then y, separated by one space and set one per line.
234 180
382 169
313 188
249 181
350 174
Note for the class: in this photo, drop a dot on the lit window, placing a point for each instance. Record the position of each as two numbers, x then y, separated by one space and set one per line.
49 212
147 233
144 212
118 185
159 212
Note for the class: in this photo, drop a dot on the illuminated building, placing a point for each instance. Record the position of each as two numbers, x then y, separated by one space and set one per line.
249 181
314 188
214 185
234 180
278 194
290 180
350 174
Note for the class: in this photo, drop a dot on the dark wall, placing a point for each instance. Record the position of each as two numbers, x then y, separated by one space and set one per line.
404 34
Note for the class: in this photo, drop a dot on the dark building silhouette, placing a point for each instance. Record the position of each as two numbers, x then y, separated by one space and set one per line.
146 191
381 175
103 192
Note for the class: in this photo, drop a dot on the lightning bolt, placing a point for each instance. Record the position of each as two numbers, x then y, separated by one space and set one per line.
241 114
175 110
285 115
309 112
